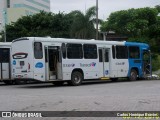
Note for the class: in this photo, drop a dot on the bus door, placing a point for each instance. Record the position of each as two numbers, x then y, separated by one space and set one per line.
5 63
53 62
146 63
103 63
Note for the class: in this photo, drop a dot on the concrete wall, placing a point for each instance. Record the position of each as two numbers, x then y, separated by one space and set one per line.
34 5
19 8
13 14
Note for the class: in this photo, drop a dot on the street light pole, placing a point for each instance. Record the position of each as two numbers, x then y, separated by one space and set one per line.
96 19
5 33
1 29
4 26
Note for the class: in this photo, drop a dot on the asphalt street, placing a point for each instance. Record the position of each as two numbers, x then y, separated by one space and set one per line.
141 95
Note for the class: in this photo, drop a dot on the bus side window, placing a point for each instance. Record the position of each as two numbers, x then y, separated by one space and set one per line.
4 55
100 55
38 53
90 51
113 52
134 52
46 54
121 52
106 56
63 50
74 51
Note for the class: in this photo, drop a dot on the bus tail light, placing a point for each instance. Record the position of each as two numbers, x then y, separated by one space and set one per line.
29 66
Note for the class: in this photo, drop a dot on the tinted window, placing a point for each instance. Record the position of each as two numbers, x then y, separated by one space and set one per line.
100 55
90 51
106 56
121 52
74 51
4 55
46 54
113 52
64 50
8 3
38 53
134 52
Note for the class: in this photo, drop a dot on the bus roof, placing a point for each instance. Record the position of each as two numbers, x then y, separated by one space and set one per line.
143 45
66 40
92 41
5 43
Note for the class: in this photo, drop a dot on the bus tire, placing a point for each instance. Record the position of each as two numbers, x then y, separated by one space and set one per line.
58 83
133 75
76 79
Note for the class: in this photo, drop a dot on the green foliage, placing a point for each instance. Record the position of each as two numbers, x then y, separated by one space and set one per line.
42 24
83 26
132 22
155 62
140 24
74 24
158 7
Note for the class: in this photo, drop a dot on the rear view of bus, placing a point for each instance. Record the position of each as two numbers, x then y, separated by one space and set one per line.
21 59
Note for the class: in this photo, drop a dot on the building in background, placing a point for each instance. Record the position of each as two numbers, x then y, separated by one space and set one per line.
11 10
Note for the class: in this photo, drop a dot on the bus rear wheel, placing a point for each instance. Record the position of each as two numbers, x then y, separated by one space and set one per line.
133 75
76 79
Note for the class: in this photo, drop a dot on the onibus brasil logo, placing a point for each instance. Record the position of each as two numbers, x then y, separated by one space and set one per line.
93 64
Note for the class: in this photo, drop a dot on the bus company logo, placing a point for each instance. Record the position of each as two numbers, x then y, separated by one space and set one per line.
39 65
106 72
68 65
120 63
93 64
14 62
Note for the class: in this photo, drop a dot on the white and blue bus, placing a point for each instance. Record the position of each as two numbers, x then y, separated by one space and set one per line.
59 60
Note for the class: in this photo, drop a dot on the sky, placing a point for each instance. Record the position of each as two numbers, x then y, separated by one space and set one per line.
105 6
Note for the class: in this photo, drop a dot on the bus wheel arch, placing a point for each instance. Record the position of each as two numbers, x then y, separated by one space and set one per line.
77 77
133 75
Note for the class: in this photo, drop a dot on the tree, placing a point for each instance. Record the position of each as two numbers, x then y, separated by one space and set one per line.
83 24
132 22
42 24
138 24
158 7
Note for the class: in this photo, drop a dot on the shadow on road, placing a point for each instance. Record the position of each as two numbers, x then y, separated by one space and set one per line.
85 83
3 84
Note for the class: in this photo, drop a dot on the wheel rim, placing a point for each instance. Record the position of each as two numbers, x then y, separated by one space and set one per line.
133 76
77 79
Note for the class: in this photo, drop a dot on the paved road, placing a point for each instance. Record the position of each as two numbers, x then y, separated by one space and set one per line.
102 96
